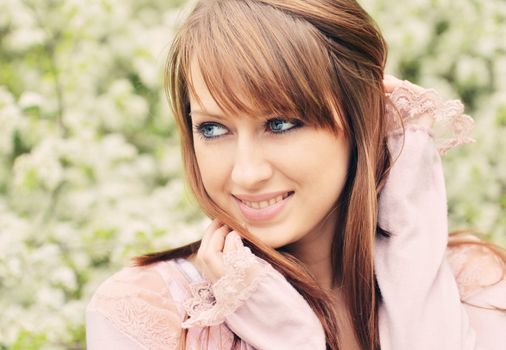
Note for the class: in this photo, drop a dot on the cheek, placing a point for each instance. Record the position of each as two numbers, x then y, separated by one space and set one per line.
323 153
213 169
328 162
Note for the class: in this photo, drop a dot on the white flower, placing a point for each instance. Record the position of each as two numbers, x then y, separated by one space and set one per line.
64 276
10 120
23 38
472 71
50 297
500 71
41 167
31 99
114 148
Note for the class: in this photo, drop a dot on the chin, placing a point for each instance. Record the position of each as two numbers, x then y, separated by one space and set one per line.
269 239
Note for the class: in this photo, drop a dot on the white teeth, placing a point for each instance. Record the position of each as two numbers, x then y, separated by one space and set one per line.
265 204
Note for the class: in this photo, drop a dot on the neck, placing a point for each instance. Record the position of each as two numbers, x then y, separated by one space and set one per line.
314 250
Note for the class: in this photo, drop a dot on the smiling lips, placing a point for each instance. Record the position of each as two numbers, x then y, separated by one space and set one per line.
263 207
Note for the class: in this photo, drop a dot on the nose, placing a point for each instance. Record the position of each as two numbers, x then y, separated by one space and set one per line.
251 169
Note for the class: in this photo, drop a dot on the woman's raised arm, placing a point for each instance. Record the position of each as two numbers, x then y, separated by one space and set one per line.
421 306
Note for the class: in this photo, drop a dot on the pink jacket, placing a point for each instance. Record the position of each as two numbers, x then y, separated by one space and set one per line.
433 297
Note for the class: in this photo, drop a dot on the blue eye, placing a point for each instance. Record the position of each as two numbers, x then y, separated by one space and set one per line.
210 130
279 126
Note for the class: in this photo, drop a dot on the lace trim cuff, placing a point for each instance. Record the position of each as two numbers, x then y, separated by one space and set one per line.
210 303
420 108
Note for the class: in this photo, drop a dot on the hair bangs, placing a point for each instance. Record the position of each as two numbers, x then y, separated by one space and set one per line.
250 68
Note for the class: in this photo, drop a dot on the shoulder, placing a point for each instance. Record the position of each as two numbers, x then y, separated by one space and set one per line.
136 281
478 268
480 273
139 302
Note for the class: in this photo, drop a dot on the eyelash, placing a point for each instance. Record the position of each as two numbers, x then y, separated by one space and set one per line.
198 128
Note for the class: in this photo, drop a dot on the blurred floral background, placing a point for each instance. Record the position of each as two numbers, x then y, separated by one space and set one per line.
89 163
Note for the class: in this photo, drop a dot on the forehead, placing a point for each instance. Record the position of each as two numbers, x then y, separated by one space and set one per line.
199 93
230 96
202 98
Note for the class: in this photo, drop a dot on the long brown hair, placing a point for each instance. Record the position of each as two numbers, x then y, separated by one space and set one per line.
323 61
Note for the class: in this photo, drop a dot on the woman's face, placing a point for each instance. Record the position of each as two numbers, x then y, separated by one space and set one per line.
278 177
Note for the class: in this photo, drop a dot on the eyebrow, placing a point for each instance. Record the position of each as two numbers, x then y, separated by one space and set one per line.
220 116
214 115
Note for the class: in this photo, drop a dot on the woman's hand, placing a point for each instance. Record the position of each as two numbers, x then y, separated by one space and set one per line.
217 240
391 84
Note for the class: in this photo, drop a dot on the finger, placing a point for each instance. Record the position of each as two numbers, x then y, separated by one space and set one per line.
213 226
204 244
389 86
209 254
389 78
217 240
390 83
232 242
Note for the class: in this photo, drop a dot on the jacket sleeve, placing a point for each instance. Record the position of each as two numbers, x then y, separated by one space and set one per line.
132 310
258 304
421 307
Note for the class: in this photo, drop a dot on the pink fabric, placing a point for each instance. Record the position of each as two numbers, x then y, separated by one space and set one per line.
423 283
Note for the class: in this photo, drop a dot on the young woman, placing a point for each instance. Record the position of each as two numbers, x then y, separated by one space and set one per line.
325 184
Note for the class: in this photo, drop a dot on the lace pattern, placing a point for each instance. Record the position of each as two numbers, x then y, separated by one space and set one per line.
475 267
210 303
146 316
202 299
424 109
